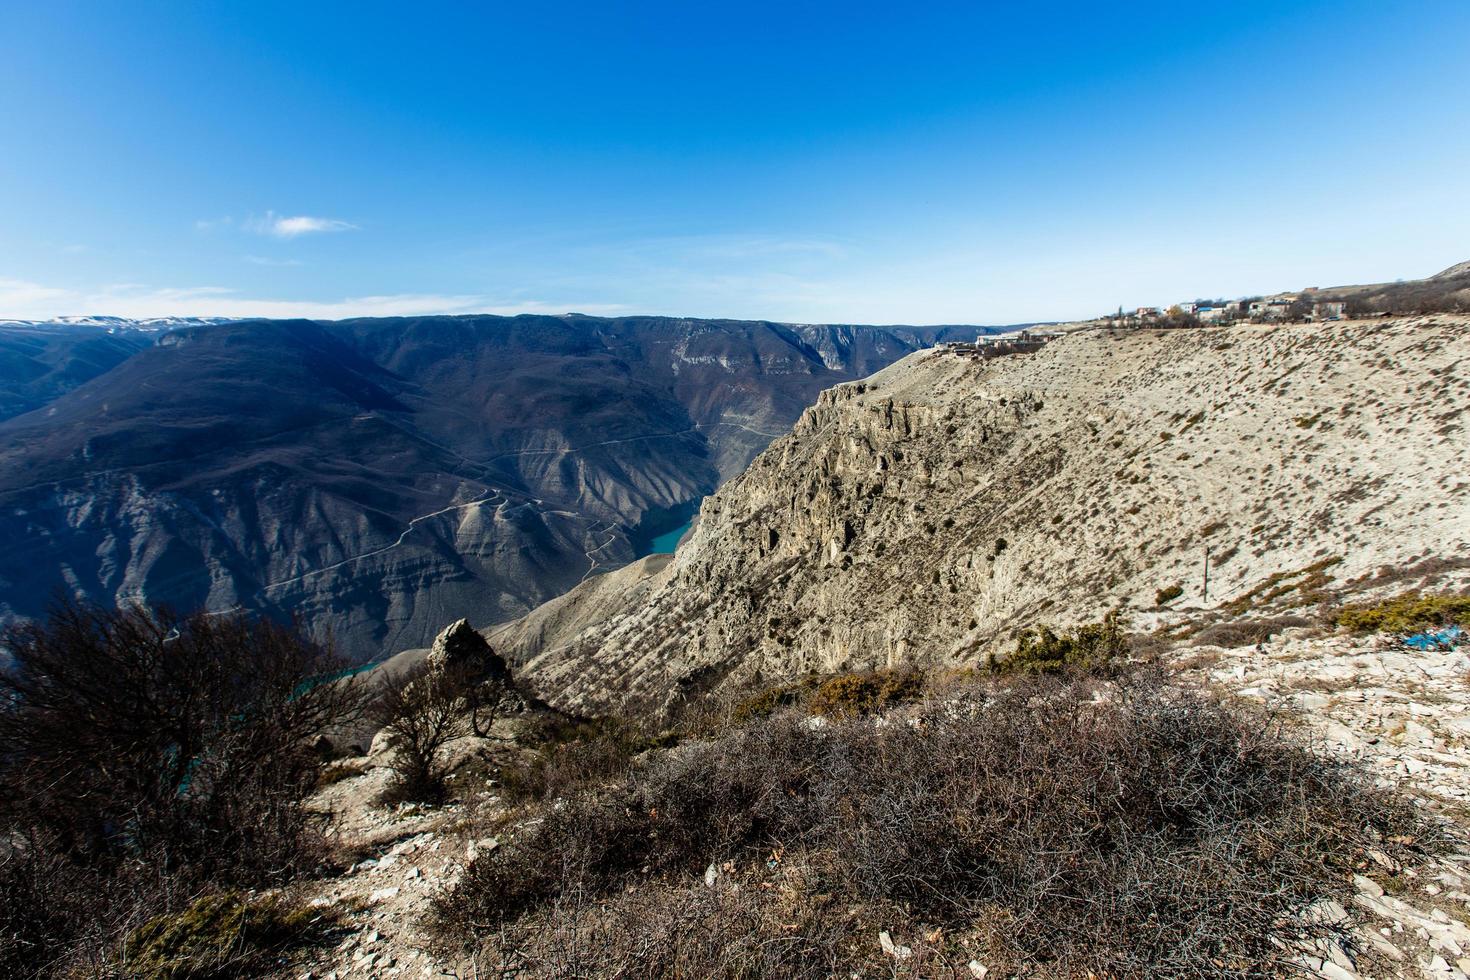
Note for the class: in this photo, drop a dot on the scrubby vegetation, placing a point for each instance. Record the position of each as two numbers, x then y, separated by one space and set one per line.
1091 647
567 752
1405 613
1247 632
421 712
1308 583
560 753
147 759
767 702
219 935
847 695
1071 825
1168 594
1450 294
840 695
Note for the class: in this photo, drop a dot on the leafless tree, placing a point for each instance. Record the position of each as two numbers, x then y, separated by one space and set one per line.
143 753
422 711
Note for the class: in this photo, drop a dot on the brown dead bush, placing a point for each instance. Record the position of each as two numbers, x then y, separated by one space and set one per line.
147 758
1247 632
1128 829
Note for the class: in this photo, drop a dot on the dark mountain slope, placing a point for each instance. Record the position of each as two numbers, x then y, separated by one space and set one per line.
41 362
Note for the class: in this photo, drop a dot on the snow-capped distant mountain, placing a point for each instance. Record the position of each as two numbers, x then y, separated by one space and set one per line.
116 323
41 360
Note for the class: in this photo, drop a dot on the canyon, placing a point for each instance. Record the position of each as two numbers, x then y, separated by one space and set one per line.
377 478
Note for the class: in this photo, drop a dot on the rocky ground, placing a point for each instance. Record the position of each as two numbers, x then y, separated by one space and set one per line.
402 856
1404 713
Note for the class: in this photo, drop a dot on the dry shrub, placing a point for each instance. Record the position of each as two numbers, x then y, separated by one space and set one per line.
572 752
689 930
47 903
1127 830
1247 632
146 758
1168 594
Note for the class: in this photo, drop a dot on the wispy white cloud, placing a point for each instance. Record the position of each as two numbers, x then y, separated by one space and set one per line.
19 295
293 226
22 300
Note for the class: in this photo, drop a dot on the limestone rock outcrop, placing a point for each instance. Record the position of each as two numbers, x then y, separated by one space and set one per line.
460 645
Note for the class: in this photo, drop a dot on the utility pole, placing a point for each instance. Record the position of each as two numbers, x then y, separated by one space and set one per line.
1206 591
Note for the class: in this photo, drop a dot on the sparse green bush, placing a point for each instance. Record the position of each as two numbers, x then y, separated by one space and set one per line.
859 694
1090 647
220 935
1168 594
771 700
1405 613
837 694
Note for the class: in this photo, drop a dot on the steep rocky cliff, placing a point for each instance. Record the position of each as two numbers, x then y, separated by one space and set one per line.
925 514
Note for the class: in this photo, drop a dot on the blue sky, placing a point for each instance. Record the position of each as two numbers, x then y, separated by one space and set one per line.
852 162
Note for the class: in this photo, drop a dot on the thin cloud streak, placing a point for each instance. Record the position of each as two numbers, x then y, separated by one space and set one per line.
21 300
294 226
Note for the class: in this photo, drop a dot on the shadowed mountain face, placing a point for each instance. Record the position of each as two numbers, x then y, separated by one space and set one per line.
380 478
39 363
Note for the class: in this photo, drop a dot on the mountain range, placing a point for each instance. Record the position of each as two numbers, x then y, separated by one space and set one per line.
380 477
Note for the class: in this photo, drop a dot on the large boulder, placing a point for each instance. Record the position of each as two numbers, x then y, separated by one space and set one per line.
460 644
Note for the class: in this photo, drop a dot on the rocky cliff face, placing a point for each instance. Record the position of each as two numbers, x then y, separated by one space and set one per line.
380 478
925 514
